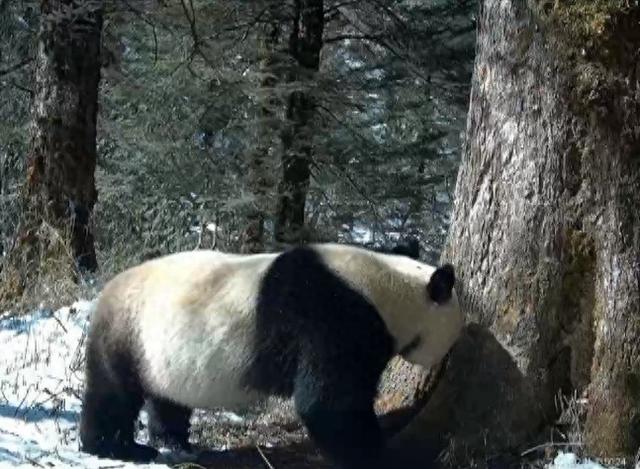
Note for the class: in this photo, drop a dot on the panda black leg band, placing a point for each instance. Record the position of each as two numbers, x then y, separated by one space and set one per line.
168 424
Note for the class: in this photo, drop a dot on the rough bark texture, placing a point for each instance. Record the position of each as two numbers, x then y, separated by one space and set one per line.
305 43
546 229
404 388
60 190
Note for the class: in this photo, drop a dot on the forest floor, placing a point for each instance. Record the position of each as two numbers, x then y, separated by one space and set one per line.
41 373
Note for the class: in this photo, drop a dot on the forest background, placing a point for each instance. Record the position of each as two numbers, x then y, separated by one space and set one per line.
130 129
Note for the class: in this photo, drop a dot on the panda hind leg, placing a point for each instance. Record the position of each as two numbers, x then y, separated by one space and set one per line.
344 428
168 424
109 413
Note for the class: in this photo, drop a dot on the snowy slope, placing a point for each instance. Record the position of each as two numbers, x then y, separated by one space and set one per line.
41 360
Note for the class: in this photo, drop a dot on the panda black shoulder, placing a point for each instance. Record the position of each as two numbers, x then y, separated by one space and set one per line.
306 312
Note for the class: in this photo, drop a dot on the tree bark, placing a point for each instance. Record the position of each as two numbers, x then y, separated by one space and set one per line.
546 229
60 190
63 150
305 43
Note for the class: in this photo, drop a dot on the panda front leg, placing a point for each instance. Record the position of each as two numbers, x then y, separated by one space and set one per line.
168 424
344 428
351 439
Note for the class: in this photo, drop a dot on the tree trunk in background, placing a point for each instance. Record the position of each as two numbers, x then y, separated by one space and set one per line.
259 159
62 163
60 191
546 229
305 43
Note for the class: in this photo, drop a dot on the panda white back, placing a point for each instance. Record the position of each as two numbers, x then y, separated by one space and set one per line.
195 325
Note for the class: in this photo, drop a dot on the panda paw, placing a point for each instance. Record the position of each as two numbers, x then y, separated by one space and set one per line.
130 452
141 453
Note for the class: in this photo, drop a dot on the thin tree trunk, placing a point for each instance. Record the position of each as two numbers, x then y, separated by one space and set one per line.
305 44
258 159
60 190
546 229
63 150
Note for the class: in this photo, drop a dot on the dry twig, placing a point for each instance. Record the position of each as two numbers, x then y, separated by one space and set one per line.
264 458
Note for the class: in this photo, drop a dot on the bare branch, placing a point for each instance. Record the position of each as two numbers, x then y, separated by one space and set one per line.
15 67
19 87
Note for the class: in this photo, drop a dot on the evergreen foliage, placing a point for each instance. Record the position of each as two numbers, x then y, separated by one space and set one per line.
180 112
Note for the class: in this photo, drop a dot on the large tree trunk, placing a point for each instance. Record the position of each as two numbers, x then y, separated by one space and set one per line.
546 229
305 43
60 190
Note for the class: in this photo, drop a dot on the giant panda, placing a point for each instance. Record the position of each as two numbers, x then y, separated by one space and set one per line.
207 329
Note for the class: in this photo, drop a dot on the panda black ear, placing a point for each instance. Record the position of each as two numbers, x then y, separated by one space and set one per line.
441 283
410 249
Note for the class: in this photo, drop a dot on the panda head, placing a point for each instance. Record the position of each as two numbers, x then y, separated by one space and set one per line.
416 301
438 325
419 304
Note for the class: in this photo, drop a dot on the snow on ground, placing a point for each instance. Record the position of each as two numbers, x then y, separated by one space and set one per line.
571 461
41 372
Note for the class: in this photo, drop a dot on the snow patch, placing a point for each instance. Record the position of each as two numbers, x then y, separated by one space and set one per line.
571 461
41 374
230 416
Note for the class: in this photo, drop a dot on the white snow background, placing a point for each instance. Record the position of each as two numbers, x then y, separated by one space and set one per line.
41 373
